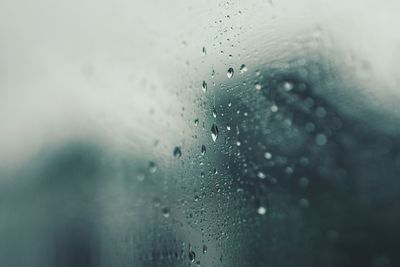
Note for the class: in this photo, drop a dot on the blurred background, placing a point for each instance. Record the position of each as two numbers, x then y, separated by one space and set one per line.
187 133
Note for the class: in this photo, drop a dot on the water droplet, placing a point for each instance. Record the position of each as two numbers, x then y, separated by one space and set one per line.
288 170
152 167
140 176
303 182
192 256
165 212
258 86
288 86
204 52
214 132
214 113
204 86
203 150
320 139
261 210
258 73
230 73
267 155
157 202
261 175
204 249
228 127
196 122
320 112
243 68
274 108
177 152
304 203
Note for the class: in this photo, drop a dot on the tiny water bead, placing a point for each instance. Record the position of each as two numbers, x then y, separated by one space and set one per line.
204 51
192 256
203 150
258 86
288 86
214 113
204 86
165 212
156 202
261 175
267 155
320 139
304 203
214 132
230 73
303 182
140 176
243 68
152 167
261 210
204 249
177 152
274 108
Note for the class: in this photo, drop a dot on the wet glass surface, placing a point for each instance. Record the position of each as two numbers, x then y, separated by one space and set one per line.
180 133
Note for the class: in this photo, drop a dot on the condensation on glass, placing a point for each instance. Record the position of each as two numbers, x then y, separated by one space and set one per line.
211 133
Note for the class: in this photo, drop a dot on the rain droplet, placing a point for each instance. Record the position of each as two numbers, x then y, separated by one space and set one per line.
303 182
274 108
320 139
177 152
258 86
204 249
196 122
267 155
261 210
304 203
288 86
152 167
204 52
320 112
214 113
204 86
243 68
140 177
192 256
203 150
157 202
214 132
230 73
261 175
165 211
